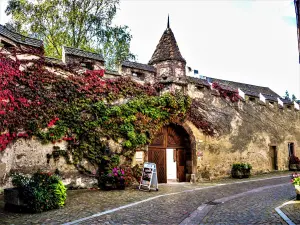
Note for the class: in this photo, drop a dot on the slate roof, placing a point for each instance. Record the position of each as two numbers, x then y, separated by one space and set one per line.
19 38
140 66
82 53
286 101
167 49
248 89
198 81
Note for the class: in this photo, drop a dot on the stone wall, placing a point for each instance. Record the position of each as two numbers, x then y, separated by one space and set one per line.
170 71
85 62
27 156
141 76
245 133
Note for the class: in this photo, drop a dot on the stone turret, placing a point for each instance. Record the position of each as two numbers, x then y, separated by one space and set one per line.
167 59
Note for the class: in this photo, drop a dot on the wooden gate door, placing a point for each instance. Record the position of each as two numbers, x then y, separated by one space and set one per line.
180 165
158 156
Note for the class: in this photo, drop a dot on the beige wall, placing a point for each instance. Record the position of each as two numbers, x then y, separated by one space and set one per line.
245 132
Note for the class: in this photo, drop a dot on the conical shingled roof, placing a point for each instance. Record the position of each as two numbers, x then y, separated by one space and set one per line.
167 49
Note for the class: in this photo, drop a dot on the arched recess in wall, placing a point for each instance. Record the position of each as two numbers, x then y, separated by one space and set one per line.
173 150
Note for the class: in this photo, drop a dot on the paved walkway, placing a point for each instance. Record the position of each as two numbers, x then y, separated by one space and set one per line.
172 204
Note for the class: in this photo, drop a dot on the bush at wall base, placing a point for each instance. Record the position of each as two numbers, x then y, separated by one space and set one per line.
38 193
241 170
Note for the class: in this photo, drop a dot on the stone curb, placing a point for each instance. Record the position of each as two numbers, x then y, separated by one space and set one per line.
282 214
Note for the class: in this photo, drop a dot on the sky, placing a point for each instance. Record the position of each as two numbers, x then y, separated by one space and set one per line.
249 41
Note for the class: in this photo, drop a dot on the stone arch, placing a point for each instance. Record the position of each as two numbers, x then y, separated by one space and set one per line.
166 139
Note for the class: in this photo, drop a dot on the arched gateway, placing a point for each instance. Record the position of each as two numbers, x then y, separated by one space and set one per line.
171 151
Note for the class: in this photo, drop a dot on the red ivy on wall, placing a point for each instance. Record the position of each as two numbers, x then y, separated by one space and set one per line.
227 92
32 97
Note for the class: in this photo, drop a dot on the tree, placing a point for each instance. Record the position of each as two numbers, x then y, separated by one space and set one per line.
294 98
287 95
84 24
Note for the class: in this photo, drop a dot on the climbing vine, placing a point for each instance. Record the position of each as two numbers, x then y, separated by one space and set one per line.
227 92
81 108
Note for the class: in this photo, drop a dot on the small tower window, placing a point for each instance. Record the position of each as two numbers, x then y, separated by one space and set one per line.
87 65
251 99
138 75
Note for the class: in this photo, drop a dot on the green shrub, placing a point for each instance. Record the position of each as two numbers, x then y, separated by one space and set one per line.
41 192
241 166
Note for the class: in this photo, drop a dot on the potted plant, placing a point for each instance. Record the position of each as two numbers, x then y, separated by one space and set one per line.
241 170
294 163
38 193
296 182
113 179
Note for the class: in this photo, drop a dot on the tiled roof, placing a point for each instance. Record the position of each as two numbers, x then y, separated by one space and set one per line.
198 81
248 89
81 53
19 38
167 49
139 66
286 101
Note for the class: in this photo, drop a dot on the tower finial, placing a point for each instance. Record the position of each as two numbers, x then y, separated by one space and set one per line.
168 26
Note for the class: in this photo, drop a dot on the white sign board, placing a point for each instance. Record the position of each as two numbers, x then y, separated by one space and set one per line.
149 177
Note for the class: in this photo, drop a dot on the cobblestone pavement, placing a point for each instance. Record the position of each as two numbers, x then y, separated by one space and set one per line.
292 211
171 209
257 208
174 209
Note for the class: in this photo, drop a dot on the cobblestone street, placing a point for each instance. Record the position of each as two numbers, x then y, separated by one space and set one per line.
250 202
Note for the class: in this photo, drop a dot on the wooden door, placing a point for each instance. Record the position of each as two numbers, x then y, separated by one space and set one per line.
158 156
180 158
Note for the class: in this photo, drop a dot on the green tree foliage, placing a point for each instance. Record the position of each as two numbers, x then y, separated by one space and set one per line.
287 95
294 98
84 24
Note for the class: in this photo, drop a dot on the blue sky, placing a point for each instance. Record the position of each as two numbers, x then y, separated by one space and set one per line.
246 41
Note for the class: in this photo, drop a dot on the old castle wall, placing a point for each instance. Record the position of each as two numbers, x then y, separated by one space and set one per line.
246 132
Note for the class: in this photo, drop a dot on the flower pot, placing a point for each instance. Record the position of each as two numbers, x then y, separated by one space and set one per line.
12 196
13 200
121 185
108 186
297 189
240 173
246 173
293 167
237 174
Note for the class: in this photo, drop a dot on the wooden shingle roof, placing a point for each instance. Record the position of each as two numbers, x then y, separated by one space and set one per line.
167 49
19 38
82 53
140 66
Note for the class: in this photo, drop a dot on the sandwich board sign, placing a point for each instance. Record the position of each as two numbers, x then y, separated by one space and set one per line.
149 177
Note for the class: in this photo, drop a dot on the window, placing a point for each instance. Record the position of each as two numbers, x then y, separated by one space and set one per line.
87 65
251 99
291 149
138 75
199 87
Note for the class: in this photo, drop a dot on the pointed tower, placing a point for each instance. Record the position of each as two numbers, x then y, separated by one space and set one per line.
167 59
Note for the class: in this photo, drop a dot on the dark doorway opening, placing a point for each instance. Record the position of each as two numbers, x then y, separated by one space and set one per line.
274 158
